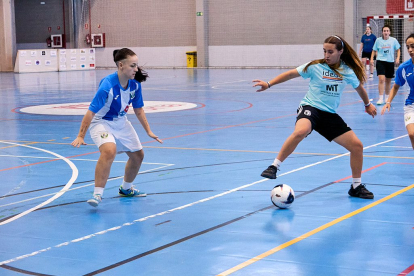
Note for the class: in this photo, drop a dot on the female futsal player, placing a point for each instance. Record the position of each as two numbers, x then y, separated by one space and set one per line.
405 74
317 111
109 127
384 49
367 42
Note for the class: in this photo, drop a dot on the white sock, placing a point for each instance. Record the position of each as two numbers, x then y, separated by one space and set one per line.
277 163
356 182
98 191
126 185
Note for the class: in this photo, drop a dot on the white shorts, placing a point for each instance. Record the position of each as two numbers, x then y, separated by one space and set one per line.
125 138
409 114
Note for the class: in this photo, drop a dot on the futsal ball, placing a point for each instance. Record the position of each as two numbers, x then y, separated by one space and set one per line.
282 196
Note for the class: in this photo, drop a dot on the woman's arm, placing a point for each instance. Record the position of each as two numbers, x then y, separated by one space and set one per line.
288 75
86 122
140 113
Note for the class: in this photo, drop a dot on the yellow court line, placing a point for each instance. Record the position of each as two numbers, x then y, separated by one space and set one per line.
307 235
13 146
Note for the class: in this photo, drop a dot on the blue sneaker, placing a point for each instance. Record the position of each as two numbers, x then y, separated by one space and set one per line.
131 192
95 200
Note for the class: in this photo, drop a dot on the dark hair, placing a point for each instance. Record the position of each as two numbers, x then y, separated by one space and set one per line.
410 36
124 53
348 56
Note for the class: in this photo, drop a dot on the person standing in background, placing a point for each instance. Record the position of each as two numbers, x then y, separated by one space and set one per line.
367 43
385 48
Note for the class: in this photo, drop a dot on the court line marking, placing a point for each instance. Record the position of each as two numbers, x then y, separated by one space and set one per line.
58 194
312 232
79 187
181 207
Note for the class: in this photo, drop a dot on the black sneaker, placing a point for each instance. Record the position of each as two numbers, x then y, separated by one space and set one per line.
360 192
270 172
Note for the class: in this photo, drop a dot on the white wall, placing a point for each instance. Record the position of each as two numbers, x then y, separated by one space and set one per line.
220 56
148 56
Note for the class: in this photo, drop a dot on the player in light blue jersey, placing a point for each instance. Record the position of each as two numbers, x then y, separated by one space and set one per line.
109 126
385 48
317 111
405 74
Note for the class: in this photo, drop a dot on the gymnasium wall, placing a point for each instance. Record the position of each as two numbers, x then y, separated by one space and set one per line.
240 33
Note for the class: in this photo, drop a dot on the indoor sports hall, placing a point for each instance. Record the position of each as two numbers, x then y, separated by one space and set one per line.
207 210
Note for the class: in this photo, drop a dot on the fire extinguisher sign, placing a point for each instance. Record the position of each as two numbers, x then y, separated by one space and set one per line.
409 5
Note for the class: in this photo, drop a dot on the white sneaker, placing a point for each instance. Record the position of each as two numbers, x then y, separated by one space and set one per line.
380 101
371 76
95 200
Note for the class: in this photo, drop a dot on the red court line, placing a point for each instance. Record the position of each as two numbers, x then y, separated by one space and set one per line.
364 171
407 271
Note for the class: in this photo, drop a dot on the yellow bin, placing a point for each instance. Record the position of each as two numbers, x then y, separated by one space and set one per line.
191 59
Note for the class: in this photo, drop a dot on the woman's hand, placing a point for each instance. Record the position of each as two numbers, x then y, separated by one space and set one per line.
152 135
78 142
262 84
371 110
387 107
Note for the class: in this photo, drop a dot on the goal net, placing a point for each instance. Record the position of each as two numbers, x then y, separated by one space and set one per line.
401 26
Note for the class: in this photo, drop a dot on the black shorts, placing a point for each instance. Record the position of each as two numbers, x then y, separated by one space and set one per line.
385 68
329 125
367 55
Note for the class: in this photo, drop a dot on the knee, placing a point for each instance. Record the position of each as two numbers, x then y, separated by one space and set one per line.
108 153
137 157
411 135
300 134
357 147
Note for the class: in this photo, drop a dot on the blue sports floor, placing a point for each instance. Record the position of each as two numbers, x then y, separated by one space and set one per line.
208 211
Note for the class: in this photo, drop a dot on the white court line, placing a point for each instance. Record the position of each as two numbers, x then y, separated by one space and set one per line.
58 194
396 147
79 187
178 208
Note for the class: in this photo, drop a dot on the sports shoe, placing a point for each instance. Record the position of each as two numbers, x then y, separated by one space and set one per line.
371 76
380 101
361 191
270 172
95 200
131 192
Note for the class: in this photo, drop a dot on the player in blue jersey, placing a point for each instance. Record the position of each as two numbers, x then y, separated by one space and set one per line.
405 74
317 111
109 127
384 49
367 42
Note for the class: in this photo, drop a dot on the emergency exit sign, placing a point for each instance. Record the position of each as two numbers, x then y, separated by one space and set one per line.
199 14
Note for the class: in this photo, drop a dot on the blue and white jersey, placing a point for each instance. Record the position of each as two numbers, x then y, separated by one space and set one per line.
405 74
386 48
326 87
111 102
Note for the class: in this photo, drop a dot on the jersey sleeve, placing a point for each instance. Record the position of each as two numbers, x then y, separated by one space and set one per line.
306 74
375 47
352 79
137 101
399 78
101 97
397 45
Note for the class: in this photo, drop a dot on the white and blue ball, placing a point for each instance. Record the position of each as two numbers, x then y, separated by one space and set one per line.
282 196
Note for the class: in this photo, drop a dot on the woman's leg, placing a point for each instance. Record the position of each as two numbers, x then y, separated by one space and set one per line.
302 128
381 86
103 166
410 130
133 165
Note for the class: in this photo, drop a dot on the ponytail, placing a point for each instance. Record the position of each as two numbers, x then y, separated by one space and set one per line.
141 75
